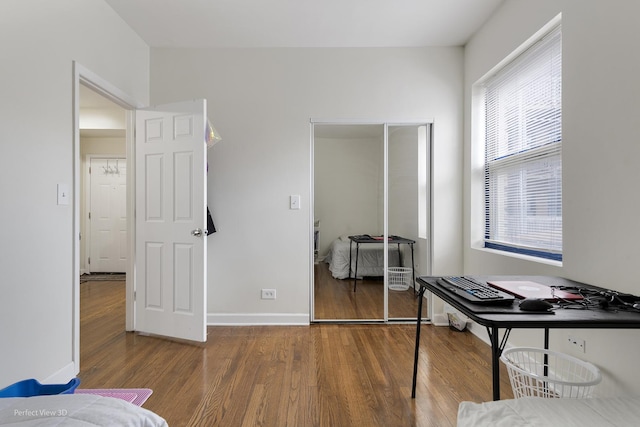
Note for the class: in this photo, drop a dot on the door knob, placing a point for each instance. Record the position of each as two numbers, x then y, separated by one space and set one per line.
197 232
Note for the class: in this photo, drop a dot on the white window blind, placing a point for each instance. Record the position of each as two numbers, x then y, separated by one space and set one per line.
523 153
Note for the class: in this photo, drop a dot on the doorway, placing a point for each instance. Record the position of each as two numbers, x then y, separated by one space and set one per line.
369 179
103 186
182 129
93 85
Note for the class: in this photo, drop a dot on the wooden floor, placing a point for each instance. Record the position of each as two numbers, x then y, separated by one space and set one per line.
319 375
335 299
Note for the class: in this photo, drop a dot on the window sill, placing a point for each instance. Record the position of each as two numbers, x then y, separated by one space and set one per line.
520 256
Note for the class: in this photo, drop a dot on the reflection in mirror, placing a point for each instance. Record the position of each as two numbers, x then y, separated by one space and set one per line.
350 189
406 198
348 201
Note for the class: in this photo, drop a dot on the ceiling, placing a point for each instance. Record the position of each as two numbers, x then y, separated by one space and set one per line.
304 23
296 23
93 100
90 100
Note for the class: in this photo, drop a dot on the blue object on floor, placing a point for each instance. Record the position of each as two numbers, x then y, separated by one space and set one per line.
31 387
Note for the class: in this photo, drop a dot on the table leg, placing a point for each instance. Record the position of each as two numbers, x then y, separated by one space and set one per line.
350 252
546 338
355 273
413 270
496 352
417 349
546 356
495 363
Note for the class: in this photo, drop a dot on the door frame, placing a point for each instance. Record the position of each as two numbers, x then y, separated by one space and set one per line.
84 76
429 198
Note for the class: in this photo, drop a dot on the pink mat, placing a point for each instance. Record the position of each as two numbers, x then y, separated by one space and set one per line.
137 396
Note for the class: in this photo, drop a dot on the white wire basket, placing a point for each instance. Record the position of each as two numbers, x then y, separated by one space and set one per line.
399 278
557 375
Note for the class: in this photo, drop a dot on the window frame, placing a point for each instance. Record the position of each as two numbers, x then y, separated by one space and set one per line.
553 151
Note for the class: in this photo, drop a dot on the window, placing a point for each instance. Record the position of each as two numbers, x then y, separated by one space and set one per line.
523 152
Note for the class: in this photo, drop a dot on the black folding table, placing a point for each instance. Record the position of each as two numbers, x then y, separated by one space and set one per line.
365 238
494 317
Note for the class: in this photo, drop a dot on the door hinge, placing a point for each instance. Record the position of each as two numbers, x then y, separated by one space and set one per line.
89 215
89 170
89 260
134 295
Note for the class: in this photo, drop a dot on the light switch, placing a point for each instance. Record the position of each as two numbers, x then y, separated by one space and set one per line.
63 194
294 201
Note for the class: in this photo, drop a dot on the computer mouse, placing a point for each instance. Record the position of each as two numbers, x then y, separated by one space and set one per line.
535 304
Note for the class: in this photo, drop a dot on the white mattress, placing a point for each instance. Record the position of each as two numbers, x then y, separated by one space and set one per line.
370 258
536 411
75 410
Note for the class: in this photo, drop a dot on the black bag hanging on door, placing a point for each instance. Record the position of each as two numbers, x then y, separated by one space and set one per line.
210 227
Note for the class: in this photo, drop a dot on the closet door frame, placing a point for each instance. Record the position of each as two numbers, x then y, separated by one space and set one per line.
426 259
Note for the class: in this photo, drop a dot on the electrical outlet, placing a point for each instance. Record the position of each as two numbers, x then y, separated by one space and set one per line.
578 342
268 294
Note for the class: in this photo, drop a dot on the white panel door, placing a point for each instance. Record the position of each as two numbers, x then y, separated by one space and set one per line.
108 215
171 220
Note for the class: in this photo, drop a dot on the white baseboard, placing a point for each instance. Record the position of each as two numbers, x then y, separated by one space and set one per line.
63 376
440 319
252 319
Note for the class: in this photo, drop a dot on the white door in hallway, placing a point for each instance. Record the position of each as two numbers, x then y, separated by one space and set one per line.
171 245
107 215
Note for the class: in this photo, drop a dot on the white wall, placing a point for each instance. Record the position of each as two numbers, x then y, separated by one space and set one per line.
403 181
403 190
600 149
261 101
348 177
39 40
349 184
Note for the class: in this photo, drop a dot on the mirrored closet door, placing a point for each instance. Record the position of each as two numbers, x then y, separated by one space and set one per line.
348 183
407 216
370 218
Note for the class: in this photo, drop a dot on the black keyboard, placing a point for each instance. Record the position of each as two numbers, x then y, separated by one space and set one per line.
474 291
